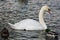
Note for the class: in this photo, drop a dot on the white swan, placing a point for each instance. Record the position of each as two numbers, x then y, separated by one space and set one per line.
30 24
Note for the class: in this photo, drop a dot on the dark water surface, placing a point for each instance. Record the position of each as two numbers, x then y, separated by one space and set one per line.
14 11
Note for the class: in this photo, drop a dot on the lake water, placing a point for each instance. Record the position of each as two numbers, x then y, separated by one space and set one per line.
14 11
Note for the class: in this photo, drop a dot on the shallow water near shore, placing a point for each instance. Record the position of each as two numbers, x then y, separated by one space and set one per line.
13 11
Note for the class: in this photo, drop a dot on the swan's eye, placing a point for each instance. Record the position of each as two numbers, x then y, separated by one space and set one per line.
49 10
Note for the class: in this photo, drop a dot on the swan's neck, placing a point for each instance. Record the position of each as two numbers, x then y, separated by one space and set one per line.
41 19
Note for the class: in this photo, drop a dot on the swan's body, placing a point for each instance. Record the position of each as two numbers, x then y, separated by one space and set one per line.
30 24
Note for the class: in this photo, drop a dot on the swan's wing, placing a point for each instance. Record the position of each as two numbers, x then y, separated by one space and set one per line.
28 24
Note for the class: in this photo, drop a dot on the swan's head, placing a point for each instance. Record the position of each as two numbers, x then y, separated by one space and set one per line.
46 8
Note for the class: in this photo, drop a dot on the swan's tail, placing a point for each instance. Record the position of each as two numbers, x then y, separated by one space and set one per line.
11 25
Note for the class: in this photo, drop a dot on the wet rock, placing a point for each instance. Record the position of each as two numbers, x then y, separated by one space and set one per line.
5 33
